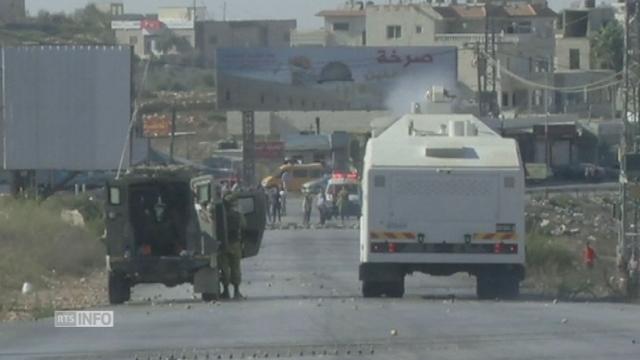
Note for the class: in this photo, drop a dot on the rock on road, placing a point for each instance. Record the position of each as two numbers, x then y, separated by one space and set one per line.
304 302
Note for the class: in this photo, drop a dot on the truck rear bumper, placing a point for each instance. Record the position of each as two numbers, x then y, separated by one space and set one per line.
392 271
170 271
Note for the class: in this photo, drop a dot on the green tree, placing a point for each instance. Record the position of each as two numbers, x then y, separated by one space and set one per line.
167 40
607 47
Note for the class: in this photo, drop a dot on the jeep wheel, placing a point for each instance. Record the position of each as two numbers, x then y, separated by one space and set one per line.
119 289
209 297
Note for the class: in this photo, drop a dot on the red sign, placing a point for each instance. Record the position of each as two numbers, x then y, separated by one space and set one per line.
151 25
345 176
269 149
156 125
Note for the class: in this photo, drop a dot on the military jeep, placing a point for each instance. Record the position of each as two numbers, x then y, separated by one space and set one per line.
165 225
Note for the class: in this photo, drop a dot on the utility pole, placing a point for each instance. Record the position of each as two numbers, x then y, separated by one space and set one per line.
627 249
173 134
487 74
224 11
248 148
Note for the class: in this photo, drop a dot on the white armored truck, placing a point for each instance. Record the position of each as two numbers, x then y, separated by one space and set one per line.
442 194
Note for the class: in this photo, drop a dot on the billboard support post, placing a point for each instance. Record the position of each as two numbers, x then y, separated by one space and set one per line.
173 134
248 148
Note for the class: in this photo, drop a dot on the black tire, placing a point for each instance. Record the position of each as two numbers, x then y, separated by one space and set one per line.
371 289
395 289
119 289
209 297
486 287
391 289
510 288
490 287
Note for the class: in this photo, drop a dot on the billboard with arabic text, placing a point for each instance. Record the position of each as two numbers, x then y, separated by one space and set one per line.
340 78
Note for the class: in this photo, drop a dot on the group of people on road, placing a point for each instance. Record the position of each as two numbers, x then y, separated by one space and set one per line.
324 207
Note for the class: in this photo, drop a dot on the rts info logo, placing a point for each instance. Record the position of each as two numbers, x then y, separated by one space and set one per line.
84 319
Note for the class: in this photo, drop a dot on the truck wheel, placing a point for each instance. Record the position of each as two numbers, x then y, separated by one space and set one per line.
491 286
487 288
395 289
371 289
119 289
510 288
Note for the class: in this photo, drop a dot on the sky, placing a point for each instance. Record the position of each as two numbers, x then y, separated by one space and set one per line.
302 10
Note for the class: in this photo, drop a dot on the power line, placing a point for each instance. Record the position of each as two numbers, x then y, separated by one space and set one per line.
596 85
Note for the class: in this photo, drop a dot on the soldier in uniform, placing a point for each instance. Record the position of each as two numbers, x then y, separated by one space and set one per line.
342 203
230 253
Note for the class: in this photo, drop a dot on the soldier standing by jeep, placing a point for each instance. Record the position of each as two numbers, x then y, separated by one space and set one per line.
231 253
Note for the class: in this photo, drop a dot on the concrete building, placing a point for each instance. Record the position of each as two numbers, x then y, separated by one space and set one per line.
251 33
574 29
573 64
111 8
181 14
12 11
598 103
142 31
342 27
525 42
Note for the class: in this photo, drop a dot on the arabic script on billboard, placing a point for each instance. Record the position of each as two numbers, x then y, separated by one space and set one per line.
366 78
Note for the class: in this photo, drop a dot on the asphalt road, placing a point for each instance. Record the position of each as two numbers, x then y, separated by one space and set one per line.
303 302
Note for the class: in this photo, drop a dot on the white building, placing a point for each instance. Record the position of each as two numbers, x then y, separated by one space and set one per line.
342 27
142 31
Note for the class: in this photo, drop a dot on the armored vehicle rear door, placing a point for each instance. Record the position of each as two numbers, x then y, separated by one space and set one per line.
119 235
210 213
252 204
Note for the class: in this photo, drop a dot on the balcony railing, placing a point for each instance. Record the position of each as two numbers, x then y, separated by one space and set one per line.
473 38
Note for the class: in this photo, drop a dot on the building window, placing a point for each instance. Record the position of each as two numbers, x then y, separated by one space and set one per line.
287 37
514 103
505 99
537 97
419 29
542 66
524 27
574 59
340 26
133 40
213 40
394 32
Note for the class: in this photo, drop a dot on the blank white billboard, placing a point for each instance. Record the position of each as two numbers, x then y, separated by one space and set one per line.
65 107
